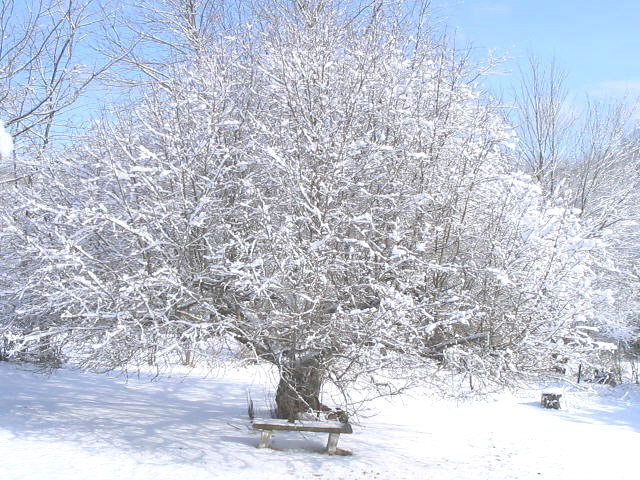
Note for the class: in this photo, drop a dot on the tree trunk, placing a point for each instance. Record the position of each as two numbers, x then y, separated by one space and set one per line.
299 389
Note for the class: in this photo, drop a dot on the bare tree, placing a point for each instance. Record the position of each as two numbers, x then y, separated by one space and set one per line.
602 175
46 64
544 121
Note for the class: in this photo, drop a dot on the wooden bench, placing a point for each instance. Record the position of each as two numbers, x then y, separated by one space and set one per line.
334 429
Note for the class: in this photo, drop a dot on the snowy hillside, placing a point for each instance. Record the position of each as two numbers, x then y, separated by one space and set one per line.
73 426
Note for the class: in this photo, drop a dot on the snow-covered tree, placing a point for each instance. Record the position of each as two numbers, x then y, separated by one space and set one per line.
45 68
606 190
6 143
587 160
324 186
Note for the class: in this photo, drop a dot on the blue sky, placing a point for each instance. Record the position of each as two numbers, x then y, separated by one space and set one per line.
597 42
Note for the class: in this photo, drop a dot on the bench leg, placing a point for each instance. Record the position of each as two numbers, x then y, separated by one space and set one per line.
332 443
265 438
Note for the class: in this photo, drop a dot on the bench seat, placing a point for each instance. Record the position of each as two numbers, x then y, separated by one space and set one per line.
333 428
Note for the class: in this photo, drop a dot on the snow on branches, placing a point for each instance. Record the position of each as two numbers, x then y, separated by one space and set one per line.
6 143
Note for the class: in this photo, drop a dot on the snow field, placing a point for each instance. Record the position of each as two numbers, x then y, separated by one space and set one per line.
73 425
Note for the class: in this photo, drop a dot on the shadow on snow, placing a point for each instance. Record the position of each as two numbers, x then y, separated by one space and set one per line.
191 421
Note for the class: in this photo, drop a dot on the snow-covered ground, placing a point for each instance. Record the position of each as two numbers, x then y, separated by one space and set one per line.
77 426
